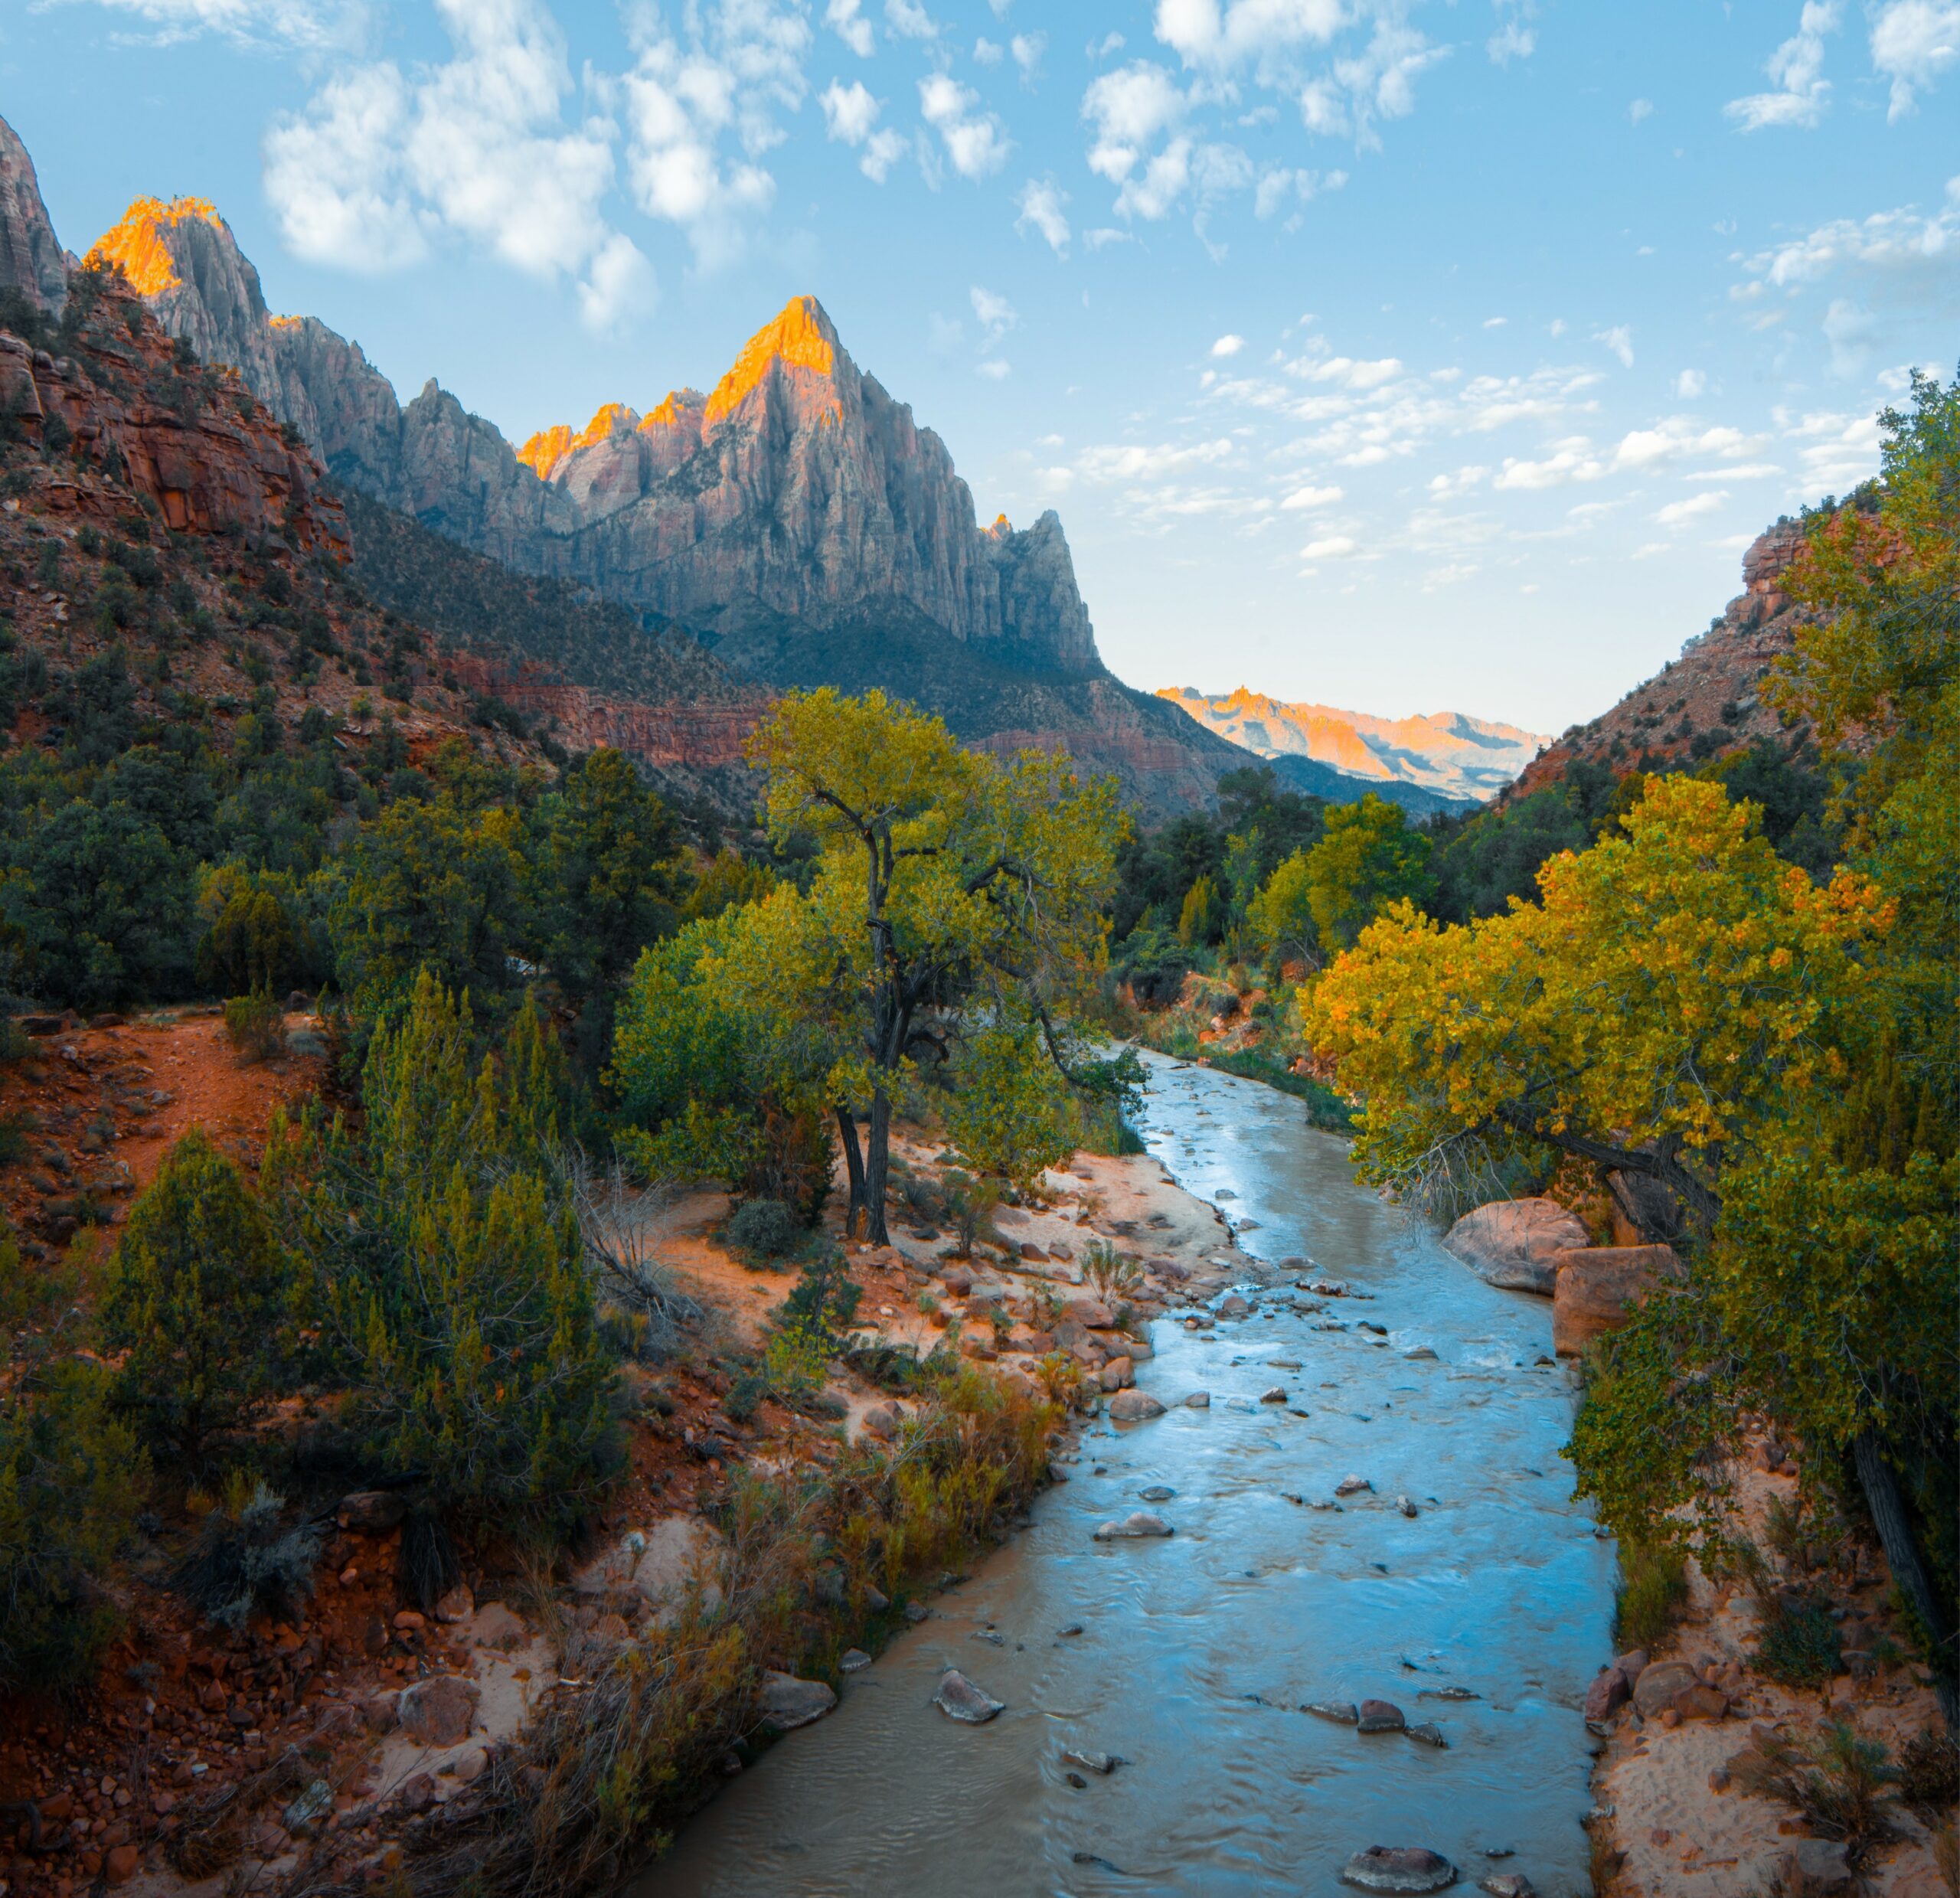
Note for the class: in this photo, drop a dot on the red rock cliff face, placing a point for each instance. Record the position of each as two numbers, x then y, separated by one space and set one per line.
31 258
1712 695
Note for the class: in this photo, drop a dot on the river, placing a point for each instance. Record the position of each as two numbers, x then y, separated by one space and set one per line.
1195 1655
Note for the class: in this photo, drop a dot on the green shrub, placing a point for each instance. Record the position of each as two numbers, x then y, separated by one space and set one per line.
455 1303
200 1300
70 1476
1842 1784
1801 1646
765 1230
824 1300
246 1562
1653 1585
256 1025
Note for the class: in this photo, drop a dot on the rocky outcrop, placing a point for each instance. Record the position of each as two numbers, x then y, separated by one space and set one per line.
1599 1288
1710 699
31 257
1516 1243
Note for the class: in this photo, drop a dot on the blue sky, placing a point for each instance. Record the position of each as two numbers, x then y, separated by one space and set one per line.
1393 355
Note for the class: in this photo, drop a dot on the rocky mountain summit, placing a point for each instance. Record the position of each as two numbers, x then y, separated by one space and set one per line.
795 519
31 256
1456 756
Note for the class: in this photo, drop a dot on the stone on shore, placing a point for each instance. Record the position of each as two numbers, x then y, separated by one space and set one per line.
439 1711
1816 1868
1600 1287
1515 1244
1135 1406
789 1703
1673 1686
960 1700
1399 1868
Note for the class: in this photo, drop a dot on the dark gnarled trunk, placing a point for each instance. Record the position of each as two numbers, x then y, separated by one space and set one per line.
854 1167
1902 1552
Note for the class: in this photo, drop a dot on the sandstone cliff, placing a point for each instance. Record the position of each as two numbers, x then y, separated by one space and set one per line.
31 259
1709 699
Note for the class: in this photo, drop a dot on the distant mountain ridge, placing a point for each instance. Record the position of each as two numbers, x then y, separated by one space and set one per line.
1455 757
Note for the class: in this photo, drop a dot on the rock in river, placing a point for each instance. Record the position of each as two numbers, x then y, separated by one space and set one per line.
1135 1406
1138 1523
1352 1486
1515 1242
1382 1717
959 1698
1399 1868
1508 1885
789 1703
1342 1712
1198 1400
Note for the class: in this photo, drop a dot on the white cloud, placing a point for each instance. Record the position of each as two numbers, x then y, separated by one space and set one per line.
1028 49
1904 241
477 147
995 314
1144 461
1041 206
850 116
988 52
1279 184
1837 451
1678 437
309 26
1689 384
1796 70
1619 340
1333 546
1228 345
1639 109
1570 460
1513 39
1302 498
1345 372
910 21
993 368
1677 514
333 174
974 138
845 19
1913 42
1129 108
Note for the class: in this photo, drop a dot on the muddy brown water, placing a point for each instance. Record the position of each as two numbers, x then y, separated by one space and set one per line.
1195 1654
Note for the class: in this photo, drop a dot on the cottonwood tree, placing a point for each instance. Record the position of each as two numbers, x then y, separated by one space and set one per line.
950 891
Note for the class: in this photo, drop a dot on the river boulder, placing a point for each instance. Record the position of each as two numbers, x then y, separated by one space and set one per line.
1515 1244
1138 1525
788 1702
959 1699
1399 1868
1135 1406
1599 1288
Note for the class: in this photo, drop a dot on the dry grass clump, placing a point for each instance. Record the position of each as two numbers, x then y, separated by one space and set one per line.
1842 1784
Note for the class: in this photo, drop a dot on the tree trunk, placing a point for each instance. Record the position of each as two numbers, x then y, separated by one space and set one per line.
1902 1553
854 1165
878 1150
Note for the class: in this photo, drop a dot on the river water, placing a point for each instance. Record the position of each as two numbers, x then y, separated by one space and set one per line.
1195 1654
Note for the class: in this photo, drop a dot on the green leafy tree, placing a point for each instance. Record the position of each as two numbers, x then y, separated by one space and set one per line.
1368 858
1282 915
1010 1112
949 888
1201 916
199 1302
450 1272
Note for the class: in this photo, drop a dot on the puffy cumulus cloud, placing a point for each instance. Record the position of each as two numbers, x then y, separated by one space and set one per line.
846 19
850 117
1689 384
476 146
1836 452
1638 111
1228 345
1040 208
1678 514
1619 340
1331 547
1028 49
1913 42
1676 437
702 111
975 142
1321 365
334 176
1376 83
1801 92
1281 188
1205 33
1129 108
993 368
1304 500
309 26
